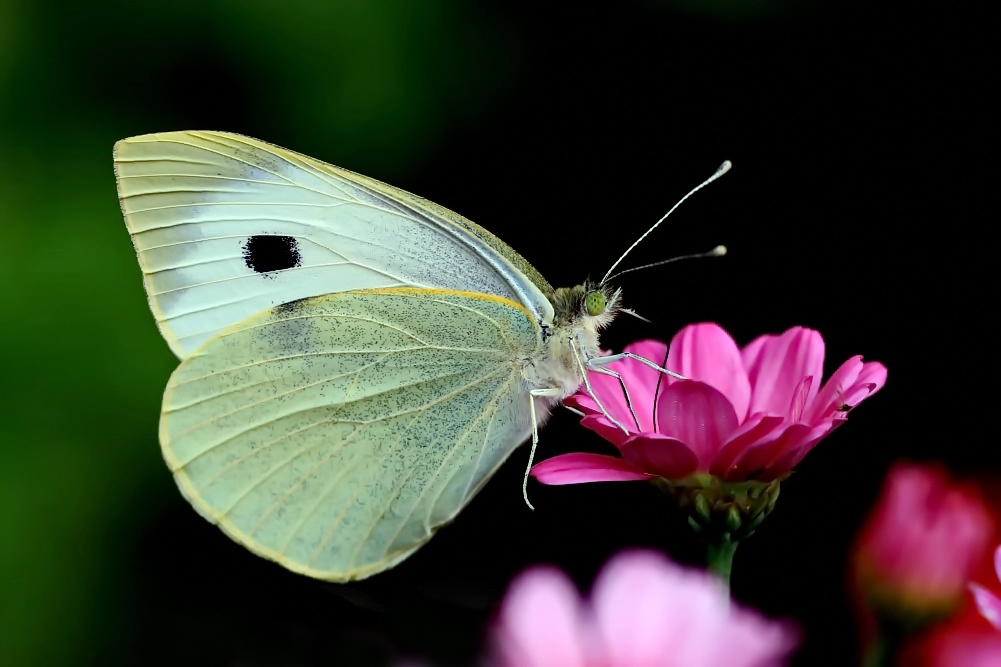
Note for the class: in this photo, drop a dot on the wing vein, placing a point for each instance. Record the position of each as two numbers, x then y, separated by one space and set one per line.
455 447
358 488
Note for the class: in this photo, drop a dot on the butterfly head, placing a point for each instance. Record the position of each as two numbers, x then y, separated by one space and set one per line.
590 305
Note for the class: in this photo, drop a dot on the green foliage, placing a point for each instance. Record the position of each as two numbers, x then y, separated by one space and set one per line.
369 84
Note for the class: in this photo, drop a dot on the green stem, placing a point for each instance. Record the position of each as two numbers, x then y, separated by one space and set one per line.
885 648
719 558
876 656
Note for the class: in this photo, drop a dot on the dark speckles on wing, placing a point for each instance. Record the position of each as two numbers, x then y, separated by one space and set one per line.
292 328
335 433
266 253
291 308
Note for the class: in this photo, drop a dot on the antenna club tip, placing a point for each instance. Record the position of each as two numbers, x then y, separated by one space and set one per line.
718 251
723 168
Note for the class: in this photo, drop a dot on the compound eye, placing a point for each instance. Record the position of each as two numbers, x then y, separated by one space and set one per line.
594 301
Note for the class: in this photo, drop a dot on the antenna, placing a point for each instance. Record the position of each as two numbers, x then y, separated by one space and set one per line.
723 168
718 251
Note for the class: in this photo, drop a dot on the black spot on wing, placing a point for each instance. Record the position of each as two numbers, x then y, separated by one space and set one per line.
265 254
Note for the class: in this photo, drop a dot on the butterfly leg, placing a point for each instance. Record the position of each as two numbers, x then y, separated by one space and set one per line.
578 357
595 362
625 391
532 395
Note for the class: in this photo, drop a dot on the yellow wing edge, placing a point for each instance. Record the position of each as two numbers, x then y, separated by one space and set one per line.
449 292
172 341
252 545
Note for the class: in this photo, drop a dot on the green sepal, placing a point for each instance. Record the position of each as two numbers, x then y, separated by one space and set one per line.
722 511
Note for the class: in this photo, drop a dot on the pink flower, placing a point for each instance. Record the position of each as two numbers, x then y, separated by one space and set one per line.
987 602
960 646
965 640
643 611
970 638
742 414
921 544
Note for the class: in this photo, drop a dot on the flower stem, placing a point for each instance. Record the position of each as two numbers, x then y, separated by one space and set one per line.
885 648
719 558
876 655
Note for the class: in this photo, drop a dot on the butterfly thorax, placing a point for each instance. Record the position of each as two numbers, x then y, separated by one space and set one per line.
580 313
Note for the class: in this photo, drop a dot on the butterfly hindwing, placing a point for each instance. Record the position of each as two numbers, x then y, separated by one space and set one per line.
226 226
336 433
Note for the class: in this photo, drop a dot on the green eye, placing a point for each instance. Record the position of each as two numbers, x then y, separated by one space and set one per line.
595 303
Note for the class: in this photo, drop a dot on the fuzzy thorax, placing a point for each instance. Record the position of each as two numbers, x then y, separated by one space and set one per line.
573 324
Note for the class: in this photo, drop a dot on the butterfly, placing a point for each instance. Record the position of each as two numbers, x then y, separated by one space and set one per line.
356 361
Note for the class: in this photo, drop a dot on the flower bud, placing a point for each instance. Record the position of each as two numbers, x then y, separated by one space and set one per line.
920 545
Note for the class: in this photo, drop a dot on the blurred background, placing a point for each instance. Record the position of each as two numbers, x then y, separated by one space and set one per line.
862 137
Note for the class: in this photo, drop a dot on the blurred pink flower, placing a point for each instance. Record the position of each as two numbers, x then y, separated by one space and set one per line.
969 638
988 603
643 611
921 544
742 414
955 645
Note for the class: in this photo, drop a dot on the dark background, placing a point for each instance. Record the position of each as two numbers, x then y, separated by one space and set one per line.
864 144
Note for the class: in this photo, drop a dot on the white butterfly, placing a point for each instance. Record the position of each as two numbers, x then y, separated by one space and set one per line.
356 361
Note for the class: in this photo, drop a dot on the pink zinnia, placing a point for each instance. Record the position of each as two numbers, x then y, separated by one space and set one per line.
921 544
988 603
957 647
643 610
970 638
741 414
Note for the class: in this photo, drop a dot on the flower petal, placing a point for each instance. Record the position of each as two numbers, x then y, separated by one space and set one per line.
988 604
754 462
707 353
777 364
756 430
870 379
800 397
605 429
698 415
643 606
660 455
644 383
641 382
831 398
924 539
650 611
959 645
540 622
608 390
581 467
786 462
581 401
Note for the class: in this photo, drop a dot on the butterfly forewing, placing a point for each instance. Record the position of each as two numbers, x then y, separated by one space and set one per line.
226 226
336 433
